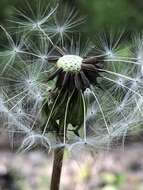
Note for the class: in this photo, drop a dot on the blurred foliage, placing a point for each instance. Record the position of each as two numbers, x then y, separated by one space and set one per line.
101 14
6 9
113 179
113 14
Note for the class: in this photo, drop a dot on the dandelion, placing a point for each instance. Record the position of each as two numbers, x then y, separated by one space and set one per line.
65 93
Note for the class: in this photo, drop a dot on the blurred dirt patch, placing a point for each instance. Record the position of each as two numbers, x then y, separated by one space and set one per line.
114 170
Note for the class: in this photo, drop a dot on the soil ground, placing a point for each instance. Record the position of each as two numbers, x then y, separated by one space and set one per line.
116 169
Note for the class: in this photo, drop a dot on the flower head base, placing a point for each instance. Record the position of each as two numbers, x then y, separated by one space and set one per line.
74 72
70 63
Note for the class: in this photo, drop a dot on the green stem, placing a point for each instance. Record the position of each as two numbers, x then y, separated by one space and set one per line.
57 168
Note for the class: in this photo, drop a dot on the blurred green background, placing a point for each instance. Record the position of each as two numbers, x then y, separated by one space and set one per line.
101 14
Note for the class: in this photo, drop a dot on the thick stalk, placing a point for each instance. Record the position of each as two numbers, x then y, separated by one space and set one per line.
57 168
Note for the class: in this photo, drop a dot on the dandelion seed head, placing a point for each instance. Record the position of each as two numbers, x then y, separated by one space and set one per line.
16 50
120 107
70 63
120 81
36 25
140 61
52 76
3 108
39 97
136 82
43 57
140 57
29 82
60 29
110 54
19 111
87 92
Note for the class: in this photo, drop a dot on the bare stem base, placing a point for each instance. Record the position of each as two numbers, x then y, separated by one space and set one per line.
57 168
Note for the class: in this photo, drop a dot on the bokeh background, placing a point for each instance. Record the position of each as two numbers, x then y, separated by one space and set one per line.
116 170
101 14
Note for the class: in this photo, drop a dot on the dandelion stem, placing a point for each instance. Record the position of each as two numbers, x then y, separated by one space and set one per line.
57 168
84 124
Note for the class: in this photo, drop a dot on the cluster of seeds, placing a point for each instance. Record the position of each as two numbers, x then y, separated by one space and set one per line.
70 63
